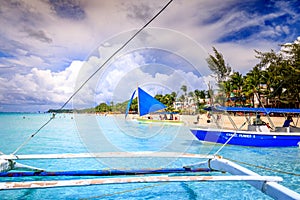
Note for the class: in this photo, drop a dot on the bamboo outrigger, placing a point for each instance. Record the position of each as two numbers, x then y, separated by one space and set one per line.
266 184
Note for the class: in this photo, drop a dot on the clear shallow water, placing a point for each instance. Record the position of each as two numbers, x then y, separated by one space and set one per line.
88 133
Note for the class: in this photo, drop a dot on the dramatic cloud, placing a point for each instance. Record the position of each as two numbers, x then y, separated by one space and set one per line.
41 40
37 34
39 87
70 9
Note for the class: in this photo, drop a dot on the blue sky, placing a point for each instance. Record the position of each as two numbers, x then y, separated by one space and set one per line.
47 48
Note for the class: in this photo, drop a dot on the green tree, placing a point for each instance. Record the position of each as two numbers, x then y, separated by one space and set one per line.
282 73
174 95
236 85
236 79
217 64
184 89
197 97
292 83
102 107
252 83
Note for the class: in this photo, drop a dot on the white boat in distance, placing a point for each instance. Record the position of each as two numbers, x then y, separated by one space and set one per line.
147 105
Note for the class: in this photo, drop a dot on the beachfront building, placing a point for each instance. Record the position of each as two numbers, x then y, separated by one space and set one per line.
189 106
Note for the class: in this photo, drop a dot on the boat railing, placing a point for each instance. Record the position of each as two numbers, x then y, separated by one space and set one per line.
294 129
282 129
290 129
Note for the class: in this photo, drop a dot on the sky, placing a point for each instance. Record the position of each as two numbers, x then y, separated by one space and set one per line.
49 48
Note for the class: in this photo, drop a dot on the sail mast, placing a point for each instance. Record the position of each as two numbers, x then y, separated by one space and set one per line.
138 101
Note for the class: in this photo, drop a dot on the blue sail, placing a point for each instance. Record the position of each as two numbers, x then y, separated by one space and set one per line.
128 105
147 103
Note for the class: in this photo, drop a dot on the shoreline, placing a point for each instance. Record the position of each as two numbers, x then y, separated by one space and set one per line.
224 121
191 120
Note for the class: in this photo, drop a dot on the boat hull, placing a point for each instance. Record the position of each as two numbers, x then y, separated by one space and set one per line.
163 122
247 138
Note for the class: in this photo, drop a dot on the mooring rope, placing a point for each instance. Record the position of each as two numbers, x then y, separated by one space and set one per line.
93 74
36 132
227 141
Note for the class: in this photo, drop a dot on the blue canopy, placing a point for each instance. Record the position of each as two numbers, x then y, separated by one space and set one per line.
253 110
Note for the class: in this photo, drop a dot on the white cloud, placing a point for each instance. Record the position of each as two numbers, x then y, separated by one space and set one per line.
39 87
41 44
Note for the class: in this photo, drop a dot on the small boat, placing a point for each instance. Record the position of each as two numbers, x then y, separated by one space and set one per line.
257 135
147 105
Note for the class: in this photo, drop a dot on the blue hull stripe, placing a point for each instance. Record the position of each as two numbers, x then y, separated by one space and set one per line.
244 139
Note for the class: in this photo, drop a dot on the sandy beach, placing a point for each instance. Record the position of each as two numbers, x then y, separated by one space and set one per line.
224 121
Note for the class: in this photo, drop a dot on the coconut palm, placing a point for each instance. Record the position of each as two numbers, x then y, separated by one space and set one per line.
217 65
252 82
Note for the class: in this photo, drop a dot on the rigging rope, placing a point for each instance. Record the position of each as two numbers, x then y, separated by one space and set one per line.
228 140
265 168
93 74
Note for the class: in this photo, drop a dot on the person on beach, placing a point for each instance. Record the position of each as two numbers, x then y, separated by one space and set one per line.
165 117
258 121
288 121
208 117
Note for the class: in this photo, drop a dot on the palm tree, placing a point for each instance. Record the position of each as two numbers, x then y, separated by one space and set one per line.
292 83
252 84
236 79
217 64
197 97
280 74
267 79
202 94
174 95
184 96
236 83
184 89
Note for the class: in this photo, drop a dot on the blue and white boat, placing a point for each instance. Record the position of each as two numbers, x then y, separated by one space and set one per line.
262 135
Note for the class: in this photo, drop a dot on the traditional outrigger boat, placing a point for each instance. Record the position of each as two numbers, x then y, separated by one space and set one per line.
258 135
147 105
191 173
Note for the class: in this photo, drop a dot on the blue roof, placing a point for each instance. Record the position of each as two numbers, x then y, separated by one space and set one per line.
253 110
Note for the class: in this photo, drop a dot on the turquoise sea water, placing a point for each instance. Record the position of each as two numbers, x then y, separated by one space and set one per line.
89 133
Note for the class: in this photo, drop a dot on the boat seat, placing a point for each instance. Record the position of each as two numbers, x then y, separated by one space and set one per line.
258 128
290 129
294 129
282 129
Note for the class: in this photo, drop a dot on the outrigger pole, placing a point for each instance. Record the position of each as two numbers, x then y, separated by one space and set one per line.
109 172
270 188
266 184
123 180
140 154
